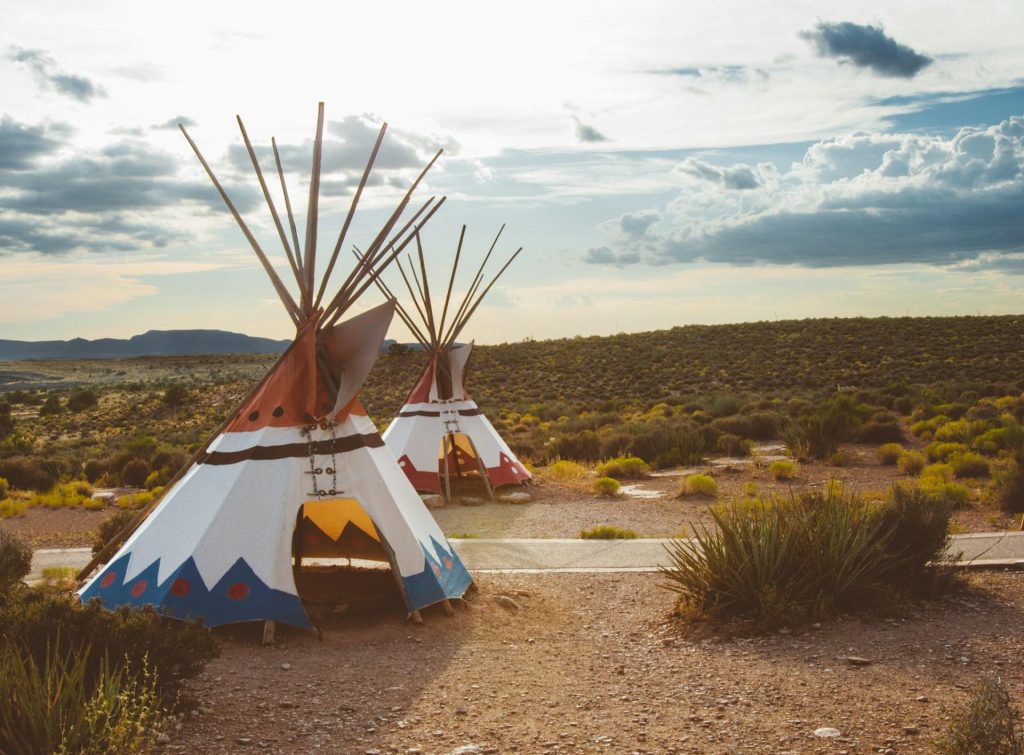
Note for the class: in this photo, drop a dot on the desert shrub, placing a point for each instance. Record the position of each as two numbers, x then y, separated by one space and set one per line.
5 487
59 704
960 431
623 467
782 561
607 487
15 560
608 532
885 430
94 469
993 441
755 426
175 395
937 473
581 446
918 524
949 494
135 473
27 474
81 400
664 444
698 484
723 405
939 451
176 650
782 469
1009 488
838 459
925 428
12 507
969 465
986 725
733 445
109 528
63 495
911 463
564 470
889 453
50 407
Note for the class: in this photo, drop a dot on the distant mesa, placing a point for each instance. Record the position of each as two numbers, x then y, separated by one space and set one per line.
153 343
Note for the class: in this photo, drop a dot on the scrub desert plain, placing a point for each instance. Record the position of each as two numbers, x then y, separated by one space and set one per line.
595 662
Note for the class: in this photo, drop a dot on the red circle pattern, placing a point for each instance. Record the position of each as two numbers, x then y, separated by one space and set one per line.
238 591
138 588
108 579
180 587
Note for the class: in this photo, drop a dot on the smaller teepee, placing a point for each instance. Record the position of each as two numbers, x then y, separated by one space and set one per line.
440 435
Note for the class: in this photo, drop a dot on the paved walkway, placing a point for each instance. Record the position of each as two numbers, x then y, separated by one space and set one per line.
553 555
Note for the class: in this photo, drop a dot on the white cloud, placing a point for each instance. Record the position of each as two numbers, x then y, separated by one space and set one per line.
857 199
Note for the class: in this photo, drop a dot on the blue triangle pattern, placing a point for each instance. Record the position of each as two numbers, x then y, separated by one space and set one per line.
238 596
442 579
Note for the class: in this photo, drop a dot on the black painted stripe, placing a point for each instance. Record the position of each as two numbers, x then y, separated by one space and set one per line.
294 450
425 413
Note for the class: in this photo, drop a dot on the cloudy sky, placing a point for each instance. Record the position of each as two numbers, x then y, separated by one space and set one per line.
661 163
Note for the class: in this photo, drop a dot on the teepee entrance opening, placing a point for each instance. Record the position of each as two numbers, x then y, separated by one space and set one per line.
460 466
339 559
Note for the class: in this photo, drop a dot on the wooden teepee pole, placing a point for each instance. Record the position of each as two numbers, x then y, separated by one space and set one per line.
270 204
309 261
472 288
462 323
348 218
282 292
451 280
288 207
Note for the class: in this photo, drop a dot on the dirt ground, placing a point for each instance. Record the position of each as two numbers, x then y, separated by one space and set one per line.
591 663
561 510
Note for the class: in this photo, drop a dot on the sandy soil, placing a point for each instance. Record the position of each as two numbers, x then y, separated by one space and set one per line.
591 663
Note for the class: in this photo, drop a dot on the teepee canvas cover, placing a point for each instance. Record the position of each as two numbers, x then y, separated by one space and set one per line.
298 469
440 433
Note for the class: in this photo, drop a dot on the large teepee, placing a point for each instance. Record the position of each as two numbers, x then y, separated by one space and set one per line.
299 469
440 435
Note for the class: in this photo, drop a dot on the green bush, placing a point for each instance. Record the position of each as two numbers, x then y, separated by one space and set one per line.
15 560
50 407
623 468
969 465
782 469
135 473
885 430
82 399
564 470
755 426
176 395
698 484
889 453
607 487
109 528
27 474
61 703
986 725
5 487
918 524
939 451
1010 488
177 650
911 463
782 561
581 446
608 532
733 445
